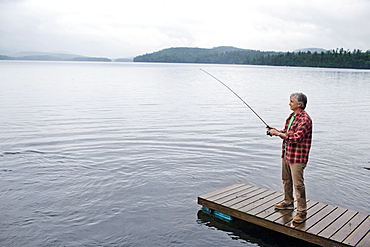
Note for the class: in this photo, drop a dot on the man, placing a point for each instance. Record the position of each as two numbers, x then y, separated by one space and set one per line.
297 137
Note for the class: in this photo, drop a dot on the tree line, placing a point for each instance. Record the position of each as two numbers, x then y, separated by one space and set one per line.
336 58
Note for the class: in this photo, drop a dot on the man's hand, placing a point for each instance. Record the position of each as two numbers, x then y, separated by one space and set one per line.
275 132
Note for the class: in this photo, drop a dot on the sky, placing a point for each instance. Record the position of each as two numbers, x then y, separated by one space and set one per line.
122 28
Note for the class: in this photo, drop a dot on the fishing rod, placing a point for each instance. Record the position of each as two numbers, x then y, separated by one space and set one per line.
267 126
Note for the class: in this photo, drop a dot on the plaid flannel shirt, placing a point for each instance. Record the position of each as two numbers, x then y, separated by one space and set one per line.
299 138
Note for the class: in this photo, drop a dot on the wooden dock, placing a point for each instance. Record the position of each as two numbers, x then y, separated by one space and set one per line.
326 225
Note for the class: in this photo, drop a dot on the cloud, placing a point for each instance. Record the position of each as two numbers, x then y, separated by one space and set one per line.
120 28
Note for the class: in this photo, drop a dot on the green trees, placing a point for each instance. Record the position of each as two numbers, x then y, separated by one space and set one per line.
219 55
338 58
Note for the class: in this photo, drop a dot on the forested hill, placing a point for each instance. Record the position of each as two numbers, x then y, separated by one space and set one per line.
338 58
219 55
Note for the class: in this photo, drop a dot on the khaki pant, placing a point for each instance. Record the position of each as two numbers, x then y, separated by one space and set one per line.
292 175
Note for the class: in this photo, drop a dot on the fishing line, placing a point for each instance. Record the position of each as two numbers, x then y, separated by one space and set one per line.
268 132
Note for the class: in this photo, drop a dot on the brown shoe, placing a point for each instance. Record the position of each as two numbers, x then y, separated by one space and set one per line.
299 218
283 205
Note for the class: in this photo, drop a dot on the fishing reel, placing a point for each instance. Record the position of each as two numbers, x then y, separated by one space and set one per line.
268 131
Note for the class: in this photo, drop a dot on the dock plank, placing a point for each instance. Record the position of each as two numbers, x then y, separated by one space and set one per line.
327 221
351 225
265 207
359 233
236 195
337 224
326 225
311 210
220 191
245 199
314 219
270 209
262 199
285 214
365 242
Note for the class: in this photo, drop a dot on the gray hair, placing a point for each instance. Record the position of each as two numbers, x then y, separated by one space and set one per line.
300 98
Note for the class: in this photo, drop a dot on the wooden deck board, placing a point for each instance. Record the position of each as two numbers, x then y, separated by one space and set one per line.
314 219
245 199
224 192
327 221
359 233
236 192
266 207
280 213
343 233
251 200
325 225
261 200
365 242
312 212
337 224
236 196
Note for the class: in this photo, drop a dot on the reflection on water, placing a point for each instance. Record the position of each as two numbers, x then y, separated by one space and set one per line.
244 232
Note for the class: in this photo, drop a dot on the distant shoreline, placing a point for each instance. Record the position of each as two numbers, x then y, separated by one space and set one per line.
309 57
52 58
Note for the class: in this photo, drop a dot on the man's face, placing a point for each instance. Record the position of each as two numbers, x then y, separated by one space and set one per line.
293 104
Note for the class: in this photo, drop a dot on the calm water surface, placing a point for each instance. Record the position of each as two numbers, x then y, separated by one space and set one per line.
115 154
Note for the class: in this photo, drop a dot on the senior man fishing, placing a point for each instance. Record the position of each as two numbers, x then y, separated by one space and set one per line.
297 138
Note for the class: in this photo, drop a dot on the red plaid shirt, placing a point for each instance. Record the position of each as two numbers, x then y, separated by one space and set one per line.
299 139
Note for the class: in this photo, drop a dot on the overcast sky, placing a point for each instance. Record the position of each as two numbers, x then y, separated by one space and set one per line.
121 28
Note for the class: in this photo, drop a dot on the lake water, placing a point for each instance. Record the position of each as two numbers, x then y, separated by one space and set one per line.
116 154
